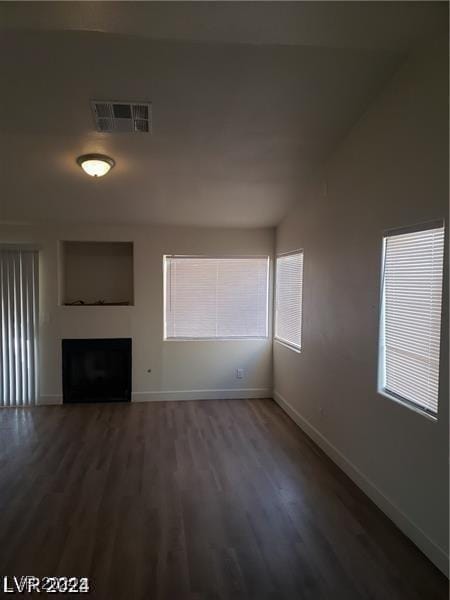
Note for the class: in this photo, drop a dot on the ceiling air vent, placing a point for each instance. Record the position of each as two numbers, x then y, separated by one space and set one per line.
122 117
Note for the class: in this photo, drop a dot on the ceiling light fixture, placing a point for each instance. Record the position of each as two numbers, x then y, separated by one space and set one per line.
95 165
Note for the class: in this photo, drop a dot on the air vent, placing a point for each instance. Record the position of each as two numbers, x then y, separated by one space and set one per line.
122 117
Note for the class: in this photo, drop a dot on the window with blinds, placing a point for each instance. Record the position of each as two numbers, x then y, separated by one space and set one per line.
211 298
288 299
18 326
410 322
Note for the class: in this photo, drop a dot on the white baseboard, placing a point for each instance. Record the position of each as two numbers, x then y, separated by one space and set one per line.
156 396
224 394
435 553
49 400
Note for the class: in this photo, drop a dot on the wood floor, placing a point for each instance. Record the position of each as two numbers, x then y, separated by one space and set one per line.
223 499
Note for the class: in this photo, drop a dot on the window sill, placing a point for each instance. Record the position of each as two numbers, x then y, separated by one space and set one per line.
224 339
409 405
287 345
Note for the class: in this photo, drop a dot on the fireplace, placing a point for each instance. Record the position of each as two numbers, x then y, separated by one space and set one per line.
96 370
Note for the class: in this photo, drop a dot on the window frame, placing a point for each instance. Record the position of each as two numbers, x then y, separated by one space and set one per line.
381 389
290 345
218 256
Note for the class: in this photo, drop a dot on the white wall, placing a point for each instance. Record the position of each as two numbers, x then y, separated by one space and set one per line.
179 370
392 170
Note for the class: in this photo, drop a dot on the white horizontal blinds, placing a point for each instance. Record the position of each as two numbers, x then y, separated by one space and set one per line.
411 323
18 327
190 297
289 293
242 296
216 297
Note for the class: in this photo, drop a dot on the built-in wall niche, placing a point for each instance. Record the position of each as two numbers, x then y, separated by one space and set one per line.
97 273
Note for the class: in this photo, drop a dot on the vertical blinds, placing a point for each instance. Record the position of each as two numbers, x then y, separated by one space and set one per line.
18 327
216 297
411 316
289 293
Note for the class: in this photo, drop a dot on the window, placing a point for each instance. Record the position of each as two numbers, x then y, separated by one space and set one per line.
410 320
289 293
19 323
210 298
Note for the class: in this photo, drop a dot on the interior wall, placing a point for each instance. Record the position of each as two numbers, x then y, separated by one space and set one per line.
391 171
179 369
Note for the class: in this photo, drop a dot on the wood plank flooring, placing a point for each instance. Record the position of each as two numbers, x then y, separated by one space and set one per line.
223 499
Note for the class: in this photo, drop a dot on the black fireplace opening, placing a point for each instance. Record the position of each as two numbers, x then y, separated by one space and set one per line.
96 370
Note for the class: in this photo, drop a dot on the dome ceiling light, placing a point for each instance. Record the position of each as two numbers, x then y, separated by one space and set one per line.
96 165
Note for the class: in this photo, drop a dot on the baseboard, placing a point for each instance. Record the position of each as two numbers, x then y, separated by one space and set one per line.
157 396
49 399
434 552
223 394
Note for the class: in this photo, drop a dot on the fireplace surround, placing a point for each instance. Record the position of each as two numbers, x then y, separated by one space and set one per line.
96 370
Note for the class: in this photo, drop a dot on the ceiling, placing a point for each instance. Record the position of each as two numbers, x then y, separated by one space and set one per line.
247 99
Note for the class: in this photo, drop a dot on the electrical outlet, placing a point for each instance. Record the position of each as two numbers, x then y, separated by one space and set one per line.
239 373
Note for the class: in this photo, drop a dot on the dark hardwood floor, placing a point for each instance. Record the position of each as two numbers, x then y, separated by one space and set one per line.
223 499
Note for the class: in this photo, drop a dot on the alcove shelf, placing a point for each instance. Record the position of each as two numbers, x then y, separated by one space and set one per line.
96 273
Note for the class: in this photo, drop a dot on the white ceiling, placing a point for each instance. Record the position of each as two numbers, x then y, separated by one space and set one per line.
247 99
